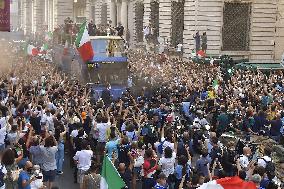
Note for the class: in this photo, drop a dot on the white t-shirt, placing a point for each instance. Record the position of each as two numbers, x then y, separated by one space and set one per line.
179 47
84 159
102 129
261 161
146 31
3 121
165 144
244 161
14 80
75 133
3 130
4 171
168 164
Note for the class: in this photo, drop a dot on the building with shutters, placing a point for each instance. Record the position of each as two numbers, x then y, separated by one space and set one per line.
251 29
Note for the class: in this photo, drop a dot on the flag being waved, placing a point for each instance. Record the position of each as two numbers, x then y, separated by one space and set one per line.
110 178
43 49
228 183
48 36
83 44
32 50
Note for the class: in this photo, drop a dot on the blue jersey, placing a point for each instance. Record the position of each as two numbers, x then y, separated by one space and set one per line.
157 186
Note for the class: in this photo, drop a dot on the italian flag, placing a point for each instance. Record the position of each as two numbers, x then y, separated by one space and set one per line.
201 54
83 44
48 36
110 178
43 49
32 50
228 183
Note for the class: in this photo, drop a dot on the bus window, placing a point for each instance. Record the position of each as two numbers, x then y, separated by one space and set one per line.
108 48
99 47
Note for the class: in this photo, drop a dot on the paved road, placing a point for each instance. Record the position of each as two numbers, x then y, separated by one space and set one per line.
66 181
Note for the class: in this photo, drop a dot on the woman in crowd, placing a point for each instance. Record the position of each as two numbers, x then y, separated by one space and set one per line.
60 132
10 162
49 149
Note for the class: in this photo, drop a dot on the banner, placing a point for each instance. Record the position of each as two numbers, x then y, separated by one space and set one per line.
4 15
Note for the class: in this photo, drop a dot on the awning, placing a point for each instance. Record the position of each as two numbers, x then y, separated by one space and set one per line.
260 66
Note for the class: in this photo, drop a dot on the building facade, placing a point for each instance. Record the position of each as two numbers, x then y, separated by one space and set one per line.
246 28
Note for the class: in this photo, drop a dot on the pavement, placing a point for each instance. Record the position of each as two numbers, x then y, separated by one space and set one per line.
66 181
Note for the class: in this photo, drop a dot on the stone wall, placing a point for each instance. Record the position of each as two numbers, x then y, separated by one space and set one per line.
63 9
165 19
263 22
39 16
279 38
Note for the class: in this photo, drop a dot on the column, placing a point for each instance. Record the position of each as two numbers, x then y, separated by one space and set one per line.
118 16
48 15
61 15
88 10
53 15
113 13
45 11
25 16
124 14
33 18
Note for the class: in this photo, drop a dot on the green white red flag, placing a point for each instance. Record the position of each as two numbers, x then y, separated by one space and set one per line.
48 36
83 44
32 50
110 178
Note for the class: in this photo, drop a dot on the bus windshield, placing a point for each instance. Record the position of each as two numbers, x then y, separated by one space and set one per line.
108 47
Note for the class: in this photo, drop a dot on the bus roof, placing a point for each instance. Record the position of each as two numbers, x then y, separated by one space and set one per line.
106 37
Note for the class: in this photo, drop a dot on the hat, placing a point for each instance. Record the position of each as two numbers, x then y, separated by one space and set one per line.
256 178
83 115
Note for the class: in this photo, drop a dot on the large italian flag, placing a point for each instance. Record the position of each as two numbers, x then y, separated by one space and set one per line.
228 183
32 50
110 178
83 43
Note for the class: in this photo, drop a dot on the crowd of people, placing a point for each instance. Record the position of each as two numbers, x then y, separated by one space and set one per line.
167 135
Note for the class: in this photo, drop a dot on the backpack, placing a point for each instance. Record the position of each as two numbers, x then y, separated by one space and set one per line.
270 167
1 177
160 147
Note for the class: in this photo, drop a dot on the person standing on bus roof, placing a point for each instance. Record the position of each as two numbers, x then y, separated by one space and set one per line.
120 29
